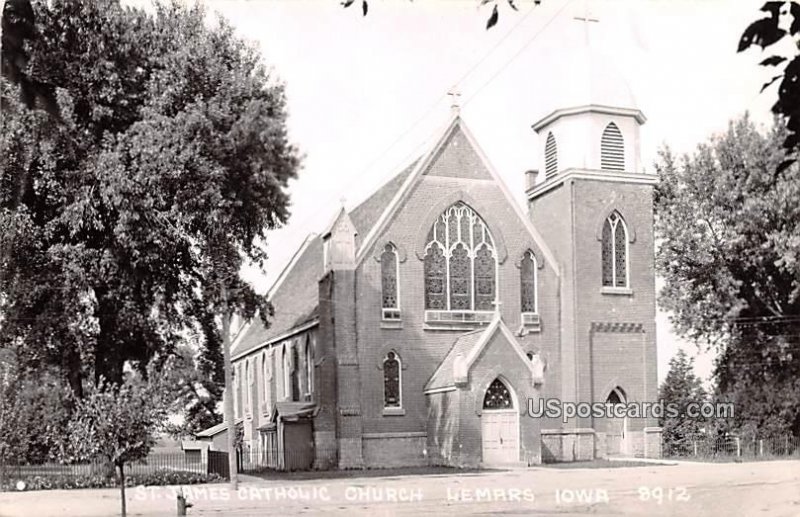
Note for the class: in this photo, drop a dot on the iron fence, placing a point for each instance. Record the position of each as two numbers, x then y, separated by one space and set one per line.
729 447
160 462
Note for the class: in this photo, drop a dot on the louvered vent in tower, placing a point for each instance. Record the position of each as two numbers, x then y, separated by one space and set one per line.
612 149
550 156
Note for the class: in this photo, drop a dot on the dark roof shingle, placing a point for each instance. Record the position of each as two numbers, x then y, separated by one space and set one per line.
296 299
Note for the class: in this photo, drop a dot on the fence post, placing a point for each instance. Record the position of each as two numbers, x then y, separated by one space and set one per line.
738 447
694 446
761 447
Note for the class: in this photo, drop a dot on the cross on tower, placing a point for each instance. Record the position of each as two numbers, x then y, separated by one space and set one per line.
497 304
587 18
454 95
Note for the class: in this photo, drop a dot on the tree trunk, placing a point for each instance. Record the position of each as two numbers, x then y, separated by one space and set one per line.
74 374
121 467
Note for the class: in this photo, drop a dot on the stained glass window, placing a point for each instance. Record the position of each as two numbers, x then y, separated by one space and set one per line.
460 262
309 366
435 278
295 374
389 277
615 252
484 280
497 396
391 380
527 280
460 279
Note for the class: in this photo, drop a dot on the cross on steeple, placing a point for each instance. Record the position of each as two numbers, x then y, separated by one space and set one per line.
454 94
587 18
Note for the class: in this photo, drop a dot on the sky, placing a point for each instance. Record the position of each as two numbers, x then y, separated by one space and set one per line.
366 94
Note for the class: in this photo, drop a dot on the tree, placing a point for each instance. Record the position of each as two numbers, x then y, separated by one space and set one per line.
680 388
729 252
118 423
122 217
197 383
783 20
33 414
494 15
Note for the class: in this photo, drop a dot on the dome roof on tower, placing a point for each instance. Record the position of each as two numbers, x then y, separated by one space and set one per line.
582 79
579 74
587 77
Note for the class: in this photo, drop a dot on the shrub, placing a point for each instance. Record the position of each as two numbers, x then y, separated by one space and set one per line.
155 478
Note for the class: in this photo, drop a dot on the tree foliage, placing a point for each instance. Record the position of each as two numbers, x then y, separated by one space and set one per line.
727 222
491 21
118 423
782 21
122 216
680 388
34 411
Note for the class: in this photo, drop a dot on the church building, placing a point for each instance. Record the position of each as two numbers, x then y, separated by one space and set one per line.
425 325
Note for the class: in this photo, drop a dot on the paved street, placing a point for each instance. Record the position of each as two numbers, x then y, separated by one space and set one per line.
731 489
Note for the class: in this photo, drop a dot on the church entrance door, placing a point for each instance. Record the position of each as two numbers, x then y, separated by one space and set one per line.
499 426
616 428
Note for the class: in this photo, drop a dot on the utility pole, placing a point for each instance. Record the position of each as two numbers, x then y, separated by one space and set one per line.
228 406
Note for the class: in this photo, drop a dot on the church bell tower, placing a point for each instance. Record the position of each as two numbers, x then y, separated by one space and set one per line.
593 203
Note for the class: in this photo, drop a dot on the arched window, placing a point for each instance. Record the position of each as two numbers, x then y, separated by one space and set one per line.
294 368
248 394
286 388
527 283
460 262
389 285
497 396
615 251
392 387
309 366
550 156
237 390
267 382
262 386
612 149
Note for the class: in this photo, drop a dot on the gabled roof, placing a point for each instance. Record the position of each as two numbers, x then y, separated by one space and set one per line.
456 123
295 293
365 214
215 429
443 376
294 296
466 349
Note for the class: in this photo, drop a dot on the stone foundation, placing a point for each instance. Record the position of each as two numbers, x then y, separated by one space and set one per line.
325 450
350 456
652 442
383 450
562 445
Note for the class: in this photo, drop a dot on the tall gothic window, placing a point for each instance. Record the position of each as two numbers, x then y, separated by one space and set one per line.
612 149
391 381
267 382
248 394
497 396
295 373
615 251
527 281
460 262
309 366
389 284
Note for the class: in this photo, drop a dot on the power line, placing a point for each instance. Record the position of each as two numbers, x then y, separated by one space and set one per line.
518 53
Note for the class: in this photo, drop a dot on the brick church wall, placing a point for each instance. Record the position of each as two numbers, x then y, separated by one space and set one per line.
421 349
